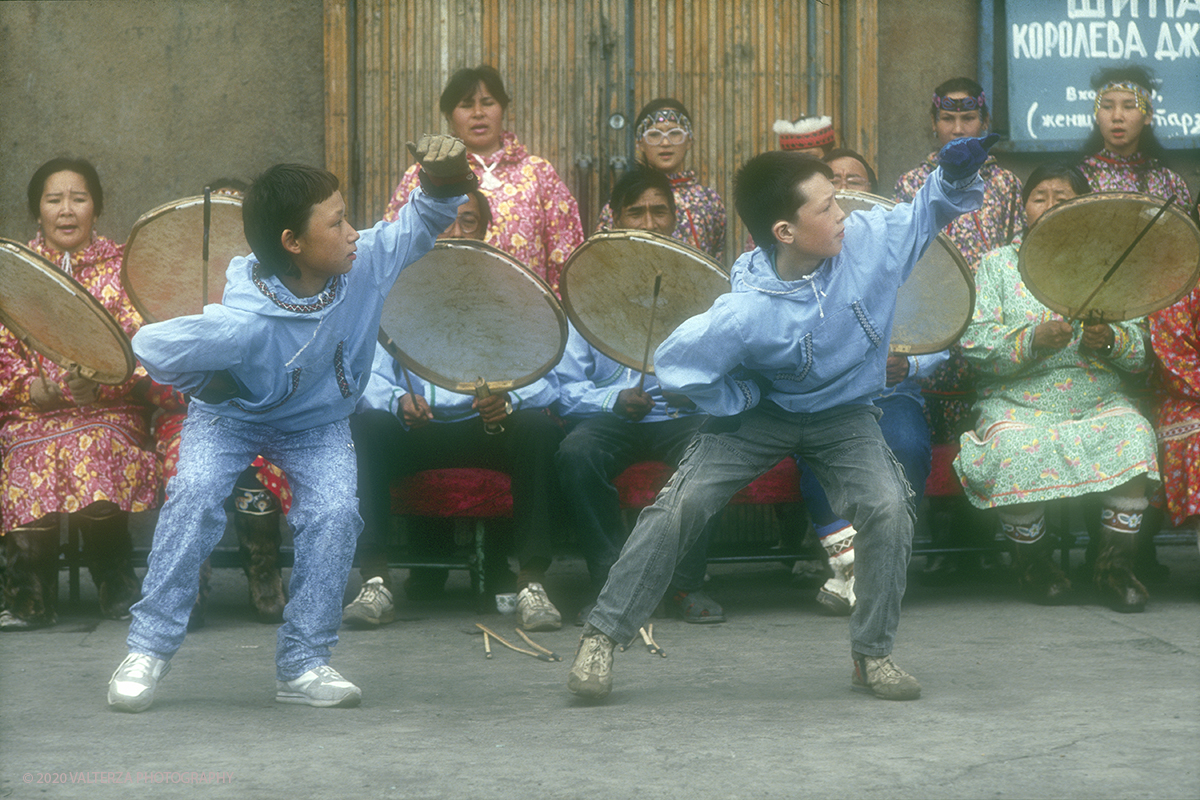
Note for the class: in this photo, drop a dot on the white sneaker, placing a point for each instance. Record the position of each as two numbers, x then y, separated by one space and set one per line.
322 687
132 686
372 608
537 612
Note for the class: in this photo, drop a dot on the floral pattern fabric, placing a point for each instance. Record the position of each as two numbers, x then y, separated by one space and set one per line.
700 212
535 218
1108 172
65 459
1051 424
950 392
1175 332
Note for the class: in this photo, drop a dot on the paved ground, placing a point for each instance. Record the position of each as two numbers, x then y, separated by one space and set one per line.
1019 701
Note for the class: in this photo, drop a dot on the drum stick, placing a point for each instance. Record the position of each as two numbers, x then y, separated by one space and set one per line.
650 331
487 646
510 645
207 227
1079 314
553 656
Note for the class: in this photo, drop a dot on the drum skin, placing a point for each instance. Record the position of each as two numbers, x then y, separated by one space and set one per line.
607 288
934 306
1067 253
164 272
49 311
468 311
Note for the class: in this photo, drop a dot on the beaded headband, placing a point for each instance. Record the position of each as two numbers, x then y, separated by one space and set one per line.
671 116
1141 93
944 103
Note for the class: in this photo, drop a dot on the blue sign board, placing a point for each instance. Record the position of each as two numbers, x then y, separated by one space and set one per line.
1053 47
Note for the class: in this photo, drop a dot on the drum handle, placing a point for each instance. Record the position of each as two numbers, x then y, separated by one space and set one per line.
207 227
482 390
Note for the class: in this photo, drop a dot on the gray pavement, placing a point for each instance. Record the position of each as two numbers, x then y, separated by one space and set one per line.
1019 701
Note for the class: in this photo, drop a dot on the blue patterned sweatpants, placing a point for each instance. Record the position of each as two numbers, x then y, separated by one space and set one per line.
320 465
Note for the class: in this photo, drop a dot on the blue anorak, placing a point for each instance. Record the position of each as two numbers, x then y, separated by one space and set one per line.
818 342
589 382
299 362
389 383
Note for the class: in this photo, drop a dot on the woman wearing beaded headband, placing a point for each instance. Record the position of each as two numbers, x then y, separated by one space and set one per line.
1122 153
959 108
664 136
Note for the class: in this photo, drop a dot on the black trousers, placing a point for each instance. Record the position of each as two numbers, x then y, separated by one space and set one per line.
525 450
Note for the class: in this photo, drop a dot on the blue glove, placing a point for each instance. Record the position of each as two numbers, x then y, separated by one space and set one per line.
962 158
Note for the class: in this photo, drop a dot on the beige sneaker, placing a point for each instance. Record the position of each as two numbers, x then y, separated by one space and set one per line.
591 674
537 612
882 678
373 606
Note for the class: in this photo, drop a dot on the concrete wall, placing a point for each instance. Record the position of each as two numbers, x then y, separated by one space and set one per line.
162 95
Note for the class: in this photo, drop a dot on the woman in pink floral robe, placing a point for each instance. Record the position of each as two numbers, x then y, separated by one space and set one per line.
534 217
70 445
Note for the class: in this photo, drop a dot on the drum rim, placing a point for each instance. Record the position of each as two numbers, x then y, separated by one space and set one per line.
444 381
626 234
70 284
959 260
144 220
1150 202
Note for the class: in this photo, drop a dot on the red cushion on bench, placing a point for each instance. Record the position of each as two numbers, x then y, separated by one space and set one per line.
943 480
454 492
639 485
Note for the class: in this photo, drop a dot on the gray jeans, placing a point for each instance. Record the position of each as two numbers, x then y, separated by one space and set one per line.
864 483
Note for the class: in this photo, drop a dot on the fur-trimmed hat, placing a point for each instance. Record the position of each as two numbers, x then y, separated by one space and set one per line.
805 132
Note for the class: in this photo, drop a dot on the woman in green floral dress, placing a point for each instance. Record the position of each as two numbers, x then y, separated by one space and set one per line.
1053 419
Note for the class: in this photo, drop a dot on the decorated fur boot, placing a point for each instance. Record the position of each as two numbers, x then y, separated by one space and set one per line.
837 595
30 578
108 553
1120 521
1039 576
256 522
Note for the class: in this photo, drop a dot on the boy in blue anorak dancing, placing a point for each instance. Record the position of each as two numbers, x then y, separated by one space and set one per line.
788 362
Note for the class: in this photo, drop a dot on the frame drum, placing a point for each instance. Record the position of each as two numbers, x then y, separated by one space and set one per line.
49 311
1070 249
163 272
934 306
467 310
607 289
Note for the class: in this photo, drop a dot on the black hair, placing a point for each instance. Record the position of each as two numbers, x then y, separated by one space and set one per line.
971 87
281 199
1148 144
485 210
845 152
464 82
634 183
767 189
657 105
228 185
80 166
1055 169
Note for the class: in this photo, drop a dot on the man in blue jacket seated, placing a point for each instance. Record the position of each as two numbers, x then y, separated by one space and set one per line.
617 422
398 433
788 363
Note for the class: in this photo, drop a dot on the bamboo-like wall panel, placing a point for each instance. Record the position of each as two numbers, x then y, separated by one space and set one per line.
570 64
